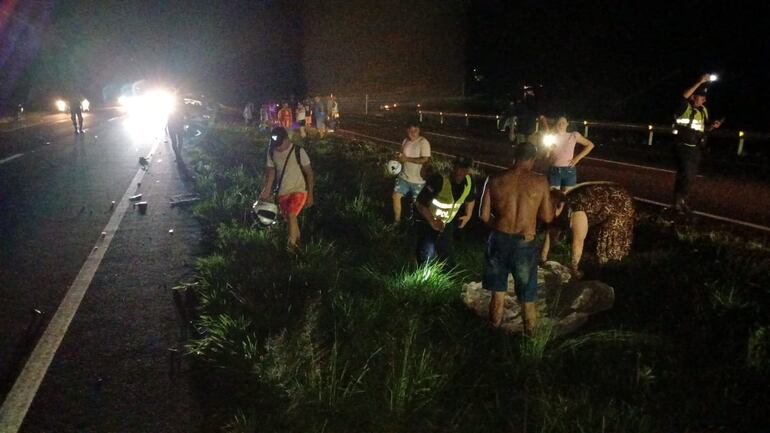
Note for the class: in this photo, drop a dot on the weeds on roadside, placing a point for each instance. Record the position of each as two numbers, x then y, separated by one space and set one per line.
348 335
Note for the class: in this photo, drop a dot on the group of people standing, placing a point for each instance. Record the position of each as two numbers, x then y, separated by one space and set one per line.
515 204
319 112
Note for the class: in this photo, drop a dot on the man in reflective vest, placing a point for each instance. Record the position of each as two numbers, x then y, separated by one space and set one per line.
692 124
439 203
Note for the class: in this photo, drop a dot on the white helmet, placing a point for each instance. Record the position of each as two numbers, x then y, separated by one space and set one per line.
265 213
393 167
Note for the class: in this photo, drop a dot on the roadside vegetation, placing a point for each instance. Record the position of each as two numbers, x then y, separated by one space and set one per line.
347 334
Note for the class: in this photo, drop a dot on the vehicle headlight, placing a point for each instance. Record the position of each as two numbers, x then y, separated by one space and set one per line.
61 105
85 105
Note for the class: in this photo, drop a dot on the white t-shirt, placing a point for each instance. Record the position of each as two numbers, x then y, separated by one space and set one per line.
294 180
419 148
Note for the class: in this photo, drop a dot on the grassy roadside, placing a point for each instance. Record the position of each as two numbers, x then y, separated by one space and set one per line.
349 335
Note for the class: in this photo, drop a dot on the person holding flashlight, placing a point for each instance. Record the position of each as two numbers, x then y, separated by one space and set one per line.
692 125
562 174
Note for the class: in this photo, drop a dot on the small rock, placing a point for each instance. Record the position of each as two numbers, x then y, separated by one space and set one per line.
171 231
104 234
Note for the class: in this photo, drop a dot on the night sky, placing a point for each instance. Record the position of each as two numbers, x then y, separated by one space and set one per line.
598 59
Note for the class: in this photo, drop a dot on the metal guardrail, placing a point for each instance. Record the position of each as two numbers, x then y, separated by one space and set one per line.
741 136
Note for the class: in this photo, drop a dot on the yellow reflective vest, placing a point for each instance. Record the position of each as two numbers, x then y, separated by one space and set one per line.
444 206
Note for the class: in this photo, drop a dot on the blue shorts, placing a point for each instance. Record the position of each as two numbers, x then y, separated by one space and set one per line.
559 177
511 254
406 188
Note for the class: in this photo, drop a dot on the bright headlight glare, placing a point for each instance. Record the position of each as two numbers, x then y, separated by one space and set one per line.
713 77
61 105
85 104
549 140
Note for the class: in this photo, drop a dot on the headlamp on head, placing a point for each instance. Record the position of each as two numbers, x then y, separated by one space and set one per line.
274 138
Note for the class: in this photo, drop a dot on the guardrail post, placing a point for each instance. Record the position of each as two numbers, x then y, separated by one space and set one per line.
466 120
585 128
420 116
441 118
366 105
740 143
649 138
497 122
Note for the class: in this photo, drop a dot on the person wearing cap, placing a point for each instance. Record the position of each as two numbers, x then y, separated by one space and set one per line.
443 198
511 204
289 166
692 124
415 153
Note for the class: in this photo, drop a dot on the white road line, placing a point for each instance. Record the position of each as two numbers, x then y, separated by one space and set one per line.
18 401
643 200
710 215
11 158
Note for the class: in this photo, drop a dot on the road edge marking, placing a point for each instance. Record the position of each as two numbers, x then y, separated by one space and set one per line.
643 200
11 158
20 398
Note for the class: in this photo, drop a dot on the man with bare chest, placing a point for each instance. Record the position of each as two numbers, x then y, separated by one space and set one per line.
511 204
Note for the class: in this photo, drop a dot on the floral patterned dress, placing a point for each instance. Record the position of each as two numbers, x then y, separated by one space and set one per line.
610 211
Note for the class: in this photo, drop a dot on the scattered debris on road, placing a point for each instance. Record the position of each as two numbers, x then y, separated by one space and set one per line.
183 199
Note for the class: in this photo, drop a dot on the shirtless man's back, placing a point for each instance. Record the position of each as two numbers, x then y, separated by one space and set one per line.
511 205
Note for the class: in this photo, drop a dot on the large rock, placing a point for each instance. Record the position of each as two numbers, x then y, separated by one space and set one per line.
563 302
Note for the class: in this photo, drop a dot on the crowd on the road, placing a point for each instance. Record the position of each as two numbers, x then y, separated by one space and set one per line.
319 112
525 211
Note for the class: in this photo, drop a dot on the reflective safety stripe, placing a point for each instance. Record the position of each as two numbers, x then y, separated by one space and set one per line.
444 206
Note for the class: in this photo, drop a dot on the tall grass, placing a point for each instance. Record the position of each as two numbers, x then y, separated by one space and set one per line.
348 334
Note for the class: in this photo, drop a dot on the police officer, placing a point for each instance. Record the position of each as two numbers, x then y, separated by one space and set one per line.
443 198
692 124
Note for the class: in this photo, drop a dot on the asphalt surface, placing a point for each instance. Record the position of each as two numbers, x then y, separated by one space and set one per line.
118 367
734 195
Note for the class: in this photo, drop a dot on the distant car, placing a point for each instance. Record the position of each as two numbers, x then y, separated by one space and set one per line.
63 107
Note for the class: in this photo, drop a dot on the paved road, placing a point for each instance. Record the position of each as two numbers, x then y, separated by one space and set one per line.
734 196
111 372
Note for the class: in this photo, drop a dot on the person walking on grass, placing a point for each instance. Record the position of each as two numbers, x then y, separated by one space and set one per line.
511 204
288 173
692 125
443 198
415 153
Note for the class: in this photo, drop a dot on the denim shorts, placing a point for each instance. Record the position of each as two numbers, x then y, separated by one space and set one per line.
406 188
560 177
511 254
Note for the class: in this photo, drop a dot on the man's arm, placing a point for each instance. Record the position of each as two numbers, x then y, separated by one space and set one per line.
268 185
307 170
427 194
545 212
468 213
588 146
687 93
485 213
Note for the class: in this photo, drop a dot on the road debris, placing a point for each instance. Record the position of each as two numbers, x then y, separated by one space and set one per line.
142 205
183 199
